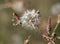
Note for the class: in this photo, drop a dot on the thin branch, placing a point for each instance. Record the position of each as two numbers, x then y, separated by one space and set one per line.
27 40
55 29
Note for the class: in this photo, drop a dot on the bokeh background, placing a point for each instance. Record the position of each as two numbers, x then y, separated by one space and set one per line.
10 34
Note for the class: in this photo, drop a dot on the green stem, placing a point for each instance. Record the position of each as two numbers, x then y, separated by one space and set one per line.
55 29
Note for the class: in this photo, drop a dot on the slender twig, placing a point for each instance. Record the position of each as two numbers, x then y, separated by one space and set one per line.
27 40
54 29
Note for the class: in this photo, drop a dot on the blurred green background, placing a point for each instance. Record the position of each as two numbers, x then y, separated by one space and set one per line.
7 30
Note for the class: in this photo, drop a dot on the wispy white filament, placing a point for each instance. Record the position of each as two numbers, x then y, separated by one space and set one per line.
30 19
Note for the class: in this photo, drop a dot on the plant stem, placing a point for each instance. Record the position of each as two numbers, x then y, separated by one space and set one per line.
55 29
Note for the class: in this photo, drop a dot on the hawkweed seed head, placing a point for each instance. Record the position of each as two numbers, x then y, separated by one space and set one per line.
30 18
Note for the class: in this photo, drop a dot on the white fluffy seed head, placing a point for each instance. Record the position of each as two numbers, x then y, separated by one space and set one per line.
30 19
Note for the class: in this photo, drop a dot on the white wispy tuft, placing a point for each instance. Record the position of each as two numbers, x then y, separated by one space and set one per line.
30 19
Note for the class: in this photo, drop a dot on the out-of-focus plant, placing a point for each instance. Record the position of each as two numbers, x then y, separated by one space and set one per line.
31 19
15 5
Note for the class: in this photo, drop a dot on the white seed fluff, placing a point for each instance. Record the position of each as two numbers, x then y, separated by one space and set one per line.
30 18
